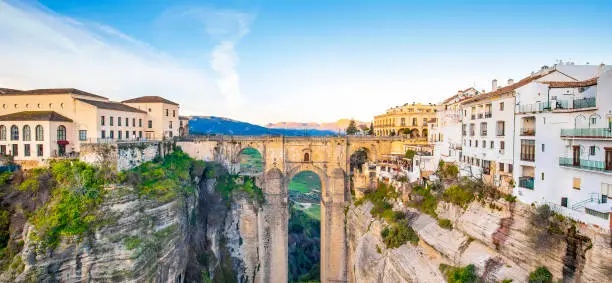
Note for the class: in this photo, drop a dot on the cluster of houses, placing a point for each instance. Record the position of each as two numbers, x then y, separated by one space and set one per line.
547 138
42 124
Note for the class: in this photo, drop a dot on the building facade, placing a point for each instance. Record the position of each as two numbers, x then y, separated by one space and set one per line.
163 116
408 119
36 125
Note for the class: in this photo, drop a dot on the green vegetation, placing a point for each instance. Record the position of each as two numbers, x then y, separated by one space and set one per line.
458 195
540 275
304 246
314 211
465 274
547 231
250 160
398 234
352 128
445 223
426 203
305 182
5 177
409 153
447 171
4 230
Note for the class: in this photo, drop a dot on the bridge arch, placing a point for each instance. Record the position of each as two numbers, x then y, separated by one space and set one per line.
250 161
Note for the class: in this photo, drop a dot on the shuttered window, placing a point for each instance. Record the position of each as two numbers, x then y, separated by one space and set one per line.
576 184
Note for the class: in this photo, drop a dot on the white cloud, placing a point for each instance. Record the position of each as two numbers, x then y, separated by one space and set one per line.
41 49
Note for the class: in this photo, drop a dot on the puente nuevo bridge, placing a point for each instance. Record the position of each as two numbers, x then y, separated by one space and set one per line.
283 158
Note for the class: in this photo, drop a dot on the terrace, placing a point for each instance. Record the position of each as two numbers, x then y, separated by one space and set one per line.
591 165
588 133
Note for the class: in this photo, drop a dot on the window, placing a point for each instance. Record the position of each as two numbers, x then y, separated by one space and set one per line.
501 167
414 121
500 131
576 183
510 168
492 145
139 122
102 120
528 150
149 109
15 149
3 149
167 112
470 142
542 147
501 106
82 135
170 124
593 120
27 135
484 144
173 113
14 133
111 134
483 129
134 134
119 134
61 133
127 121
564 201
39 133
119 121
103 134
150 124
133 122
112 120
476 143
127 135
542 176
2 133
39 149
140 134
591 150
26 150
502 145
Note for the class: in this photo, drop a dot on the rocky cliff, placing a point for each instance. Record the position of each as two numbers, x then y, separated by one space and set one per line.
496 239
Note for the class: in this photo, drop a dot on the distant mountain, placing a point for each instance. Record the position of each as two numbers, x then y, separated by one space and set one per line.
223 126
339 125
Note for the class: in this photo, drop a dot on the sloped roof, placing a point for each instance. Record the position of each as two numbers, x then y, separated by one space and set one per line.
111 105
585 83
509 88
53 91
149 99
35 116
5 90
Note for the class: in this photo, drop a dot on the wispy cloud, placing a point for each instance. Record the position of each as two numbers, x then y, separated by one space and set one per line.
41 49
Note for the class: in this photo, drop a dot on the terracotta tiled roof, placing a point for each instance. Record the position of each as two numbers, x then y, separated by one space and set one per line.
184 118
589 82
512 87
111 105
149 99
53 91
35 116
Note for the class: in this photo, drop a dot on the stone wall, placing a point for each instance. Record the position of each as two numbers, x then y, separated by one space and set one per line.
124 155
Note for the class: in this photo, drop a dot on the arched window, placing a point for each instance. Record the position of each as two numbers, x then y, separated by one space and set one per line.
306 157
39 133
2 133
26 133
14 133
61 133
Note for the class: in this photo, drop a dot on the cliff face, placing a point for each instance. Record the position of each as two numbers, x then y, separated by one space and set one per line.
497 242
186 239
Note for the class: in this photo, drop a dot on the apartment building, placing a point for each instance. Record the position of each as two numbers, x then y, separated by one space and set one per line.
183 126
445 134
408 119
564 142
163 116
486 131
36 125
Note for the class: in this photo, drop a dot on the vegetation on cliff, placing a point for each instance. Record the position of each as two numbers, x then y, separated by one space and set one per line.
465 274
304 246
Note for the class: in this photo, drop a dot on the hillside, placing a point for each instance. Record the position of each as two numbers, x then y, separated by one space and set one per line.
339 125
224 126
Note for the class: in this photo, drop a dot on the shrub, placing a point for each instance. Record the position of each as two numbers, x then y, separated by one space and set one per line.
398 234
409 154
510 198
5 177
540 275
457 195
445 223
465 274
428 204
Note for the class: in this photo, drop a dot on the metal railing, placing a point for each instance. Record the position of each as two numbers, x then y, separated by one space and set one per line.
576 103
527 132
587 132
593 165
488 115
593 197
526 182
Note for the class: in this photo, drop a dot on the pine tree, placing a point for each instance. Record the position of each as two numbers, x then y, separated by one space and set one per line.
371 131
352 128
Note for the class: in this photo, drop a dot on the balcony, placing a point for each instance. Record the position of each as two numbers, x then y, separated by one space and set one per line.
591 165
588 133
488 115
480 115
526 182
573 104
527 132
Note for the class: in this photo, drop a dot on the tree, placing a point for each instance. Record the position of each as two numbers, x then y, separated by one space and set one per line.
371 130
352 128
409 154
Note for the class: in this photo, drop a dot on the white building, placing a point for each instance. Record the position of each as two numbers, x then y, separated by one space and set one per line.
563 142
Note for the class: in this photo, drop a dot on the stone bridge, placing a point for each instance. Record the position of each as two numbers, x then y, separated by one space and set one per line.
283 158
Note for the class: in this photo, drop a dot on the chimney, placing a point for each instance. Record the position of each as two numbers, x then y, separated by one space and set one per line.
510 81
494 85
602 67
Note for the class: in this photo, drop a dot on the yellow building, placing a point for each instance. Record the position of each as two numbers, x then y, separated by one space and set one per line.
408 119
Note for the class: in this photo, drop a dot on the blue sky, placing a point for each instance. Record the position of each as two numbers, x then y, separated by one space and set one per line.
268 61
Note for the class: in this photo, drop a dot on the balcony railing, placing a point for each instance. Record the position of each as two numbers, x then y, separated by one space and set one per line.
526 182
587 132
576 103
527 132
500 133
488 115
480 115
592 165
